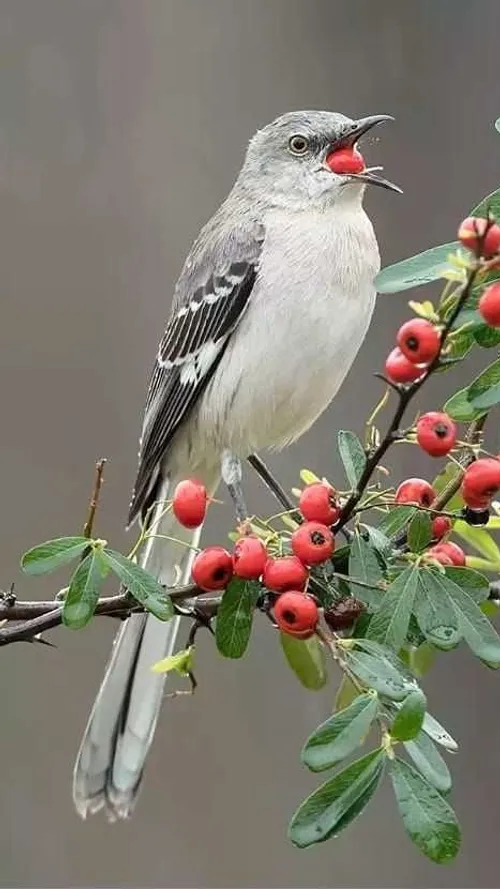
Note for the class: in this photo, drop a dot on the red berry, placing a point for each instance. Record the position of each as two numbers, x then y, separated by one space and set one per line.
452 551
212 568
436 433
441 525
415 490
284 573
399 370
249 558
489 305
345 160
313 543
318 503
471 234
481 482
296 614
189 503
437 554
419 341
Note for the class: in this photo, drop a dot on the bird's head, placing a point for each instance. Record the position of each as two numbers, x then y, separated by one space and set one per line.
309 157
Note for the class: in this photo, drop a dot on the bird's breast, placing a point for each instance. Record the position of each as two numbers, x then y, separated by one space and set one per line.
307 316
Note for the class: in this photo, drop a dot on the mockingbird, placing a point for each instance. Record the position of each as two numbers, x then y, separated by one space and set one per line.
270 309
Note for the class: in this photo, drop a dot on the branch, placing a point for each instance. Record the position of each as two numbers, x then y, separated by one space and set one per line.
270 481
405 396
33 618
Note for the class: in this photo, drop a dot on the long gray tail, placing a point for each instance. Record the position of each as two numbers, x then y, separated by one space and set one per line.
110 762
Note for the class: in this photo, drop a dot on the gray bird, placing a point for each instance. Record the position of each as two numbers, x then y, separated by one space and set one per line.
268 314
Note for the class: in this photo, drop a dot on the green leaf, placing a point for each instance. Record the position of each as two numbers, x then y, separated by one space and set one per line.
353 456
364 565
421 658
336 803
83 592
378 672
435 730
428 818
482 564
420 531
416 270
389 624
308 476
235 616
306 658
484 391
474 583
346 694
410 717
429 762
396 520
140 584
459 408
490 203
478 632
434 612
182 662
486 337
336 738
48 556
480 539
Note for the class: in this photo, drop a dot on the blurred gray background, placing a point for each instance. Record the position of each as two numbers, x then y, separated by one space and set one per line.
123 126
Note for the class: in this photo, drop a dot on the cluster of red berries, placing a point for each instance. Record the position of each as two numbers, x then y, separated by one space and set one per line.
418 344
482 237
418 492
286 576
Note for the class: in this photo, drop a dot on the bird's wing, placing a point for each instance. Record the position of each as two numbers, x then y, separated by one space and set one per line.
211 296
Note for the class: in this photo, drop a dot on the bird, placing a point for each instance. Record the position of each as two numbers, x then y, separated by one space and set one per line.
268 314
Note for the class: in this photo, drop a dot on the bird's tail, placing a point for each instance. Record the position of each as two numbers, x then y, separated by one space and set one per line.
110 762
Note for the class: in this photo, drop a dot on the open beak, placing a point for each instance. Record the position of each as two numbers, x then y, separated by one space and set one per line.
357 129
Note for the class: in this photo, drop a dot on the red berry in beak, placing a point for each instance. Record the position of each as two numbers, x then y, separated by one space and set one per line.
417 491
296 614
345 161
436 433
419 340
489 305
399 370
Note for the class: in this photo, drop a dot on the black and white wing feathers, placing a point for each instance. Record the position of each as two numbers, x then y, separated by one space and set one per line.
208 305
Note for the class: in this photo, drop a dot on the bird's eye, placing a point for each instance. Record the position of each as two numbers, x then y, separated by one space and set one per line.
298 144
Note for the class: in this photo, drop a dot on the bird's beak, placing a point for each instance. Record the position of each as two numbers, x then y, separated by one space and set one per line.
357 129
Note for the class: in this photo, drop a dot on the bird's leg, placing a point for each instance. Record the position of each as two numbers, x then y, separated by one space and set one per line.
232 477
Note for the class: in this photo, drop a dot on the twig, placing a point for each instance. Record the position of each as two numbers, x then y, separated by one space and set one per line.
33 618
404 398
94 500
270 481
